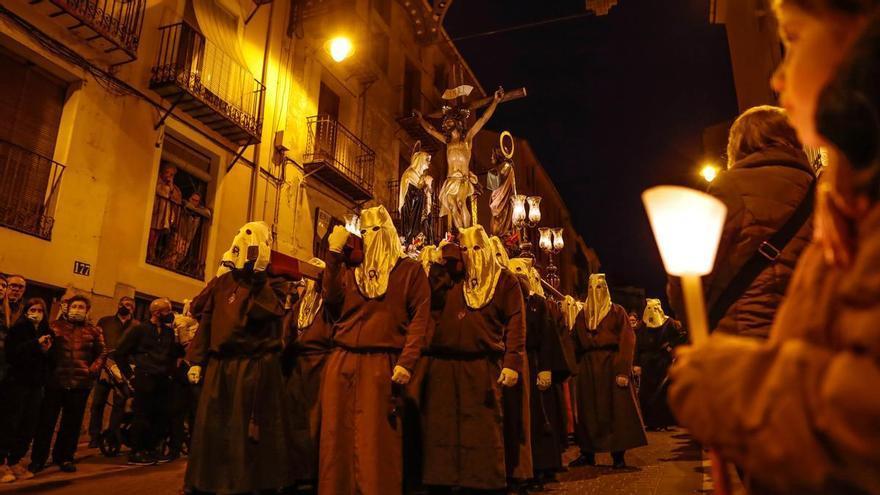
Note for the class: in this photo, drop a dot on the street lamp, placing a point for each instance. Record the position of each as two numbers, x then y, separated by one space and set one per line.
551 242
687 225
339 48
709 172
525 215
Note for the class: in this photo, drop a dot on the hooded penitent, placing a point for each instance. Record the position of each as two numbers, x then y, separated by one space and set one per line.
251 249
653 316
500 251
524 268
598 302
570 309
382 251
429 255
482 268
311 300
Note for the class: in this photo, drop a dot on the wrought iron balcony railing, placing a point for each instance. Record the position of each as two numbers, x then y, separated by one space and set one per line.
28 189
339 158
178 238
111 26
204 81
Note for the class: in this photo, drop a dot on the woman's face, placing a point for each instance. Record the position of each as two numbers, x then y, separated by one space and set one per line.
815 45
35 311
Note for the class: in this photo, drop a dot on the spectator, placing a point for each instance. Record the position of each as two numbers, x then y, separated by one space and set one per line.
113 328
768 191
4 328
76 357
27 348
14 298
153 348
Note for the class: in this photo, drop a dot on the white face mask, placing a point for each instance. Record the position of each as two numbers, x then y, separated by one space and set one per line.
35 317
76 315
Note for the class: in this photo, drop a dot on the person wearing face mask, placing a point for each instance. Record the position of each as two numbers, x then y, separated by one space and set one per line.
27 348
242 436
656 337
477 349
113 327
381 308
76 357
607 409
154 350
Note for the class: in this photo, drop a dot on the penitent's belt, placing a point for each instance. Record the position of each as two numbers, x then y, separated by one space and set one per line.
368 350
453 355
604 348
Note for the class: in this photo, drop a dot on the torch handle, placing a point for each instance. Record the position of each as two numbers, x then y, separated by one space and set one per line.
698 326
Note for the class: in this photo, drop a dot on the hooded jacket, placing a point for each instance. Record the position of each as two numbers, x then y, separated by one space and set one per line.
761 193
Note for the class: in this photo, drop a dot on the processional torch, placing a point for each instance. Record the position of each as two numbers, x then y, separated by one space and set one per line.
687 226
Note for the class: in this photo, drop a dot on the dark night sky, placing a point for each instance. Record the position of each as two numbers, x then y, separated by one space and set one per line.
616 104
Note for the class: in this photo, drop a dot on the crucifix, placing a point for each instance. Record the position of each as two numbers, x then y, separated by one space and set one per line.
460 183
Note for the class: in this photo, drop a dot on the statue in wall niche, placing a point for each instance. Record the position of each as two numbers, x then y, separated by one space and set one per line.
415 199
460 182
501 180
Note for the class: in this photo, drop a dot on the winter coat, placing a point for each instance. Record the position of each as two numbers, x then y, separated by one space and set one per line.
76 355
799 413
761 193
28 363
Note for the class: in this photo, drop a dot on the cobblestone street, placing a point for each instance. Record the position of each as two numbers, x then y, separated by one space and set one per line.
669 465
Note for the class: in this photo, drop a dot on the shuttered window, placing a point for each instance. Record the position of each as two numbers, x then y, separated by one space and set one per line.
31 102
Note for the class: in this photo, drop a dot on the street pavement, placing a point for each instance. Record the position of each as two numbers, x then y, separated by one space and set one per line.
671 464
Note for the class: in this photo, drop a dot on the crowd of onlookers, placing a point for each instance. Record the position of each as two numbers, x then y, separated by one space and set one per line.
49 367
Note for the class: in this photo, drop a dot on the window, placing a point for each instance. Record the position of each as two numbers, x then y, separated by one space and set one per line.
379 50
31 103
383 8
180 219
412 88
441 78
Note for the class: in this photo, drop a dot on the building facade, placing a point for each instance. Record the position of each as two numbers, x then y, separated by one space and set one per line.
137 136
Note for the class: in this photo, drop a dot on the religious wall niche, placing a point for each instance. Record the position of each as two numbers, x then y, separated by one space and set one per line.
181 218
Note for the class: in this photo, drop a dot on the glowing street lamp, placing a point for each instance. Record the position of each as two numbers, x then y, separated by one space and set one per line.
687 225
709 172
525 215
340 48
551 242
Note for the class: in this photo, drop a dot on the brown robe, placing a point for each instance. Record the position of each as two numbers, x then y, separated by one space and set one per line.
544 348
361 409
462 399
242 433
608 415
305 354
800 413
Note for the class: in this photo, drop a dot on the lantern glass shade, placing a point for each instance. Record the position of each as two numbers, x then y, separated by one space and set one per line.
546 241
352 224
519 209
687 227
558 242
534 208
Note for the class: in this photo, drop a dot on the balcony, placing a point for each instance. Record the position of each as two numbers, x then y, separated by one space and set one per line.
112 27
28 188
178 237
200 79
339 159
418 101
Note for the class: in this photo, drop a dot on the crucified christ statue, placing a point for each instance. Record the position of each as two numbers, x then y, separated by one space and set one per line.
460 181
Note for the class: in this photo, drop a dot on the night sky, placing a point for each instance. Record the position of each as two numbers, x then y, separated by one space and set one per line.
616 104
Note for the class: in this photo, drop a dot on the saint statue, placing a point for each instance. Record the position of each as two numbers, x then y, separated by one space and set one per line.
460 181
502 182
415 199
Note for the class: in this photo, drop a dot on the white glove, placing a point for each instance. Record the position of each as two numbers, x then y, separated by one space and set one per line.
337 239
401 375
622 381
637 370
194 374
545 380
508 377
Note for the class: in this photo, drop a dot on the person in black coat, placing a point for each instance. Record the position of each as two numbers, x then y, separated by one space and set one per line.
27 347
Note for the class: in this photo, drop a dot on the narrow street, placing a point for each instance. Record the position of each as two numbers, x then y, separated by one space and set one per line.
669 465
